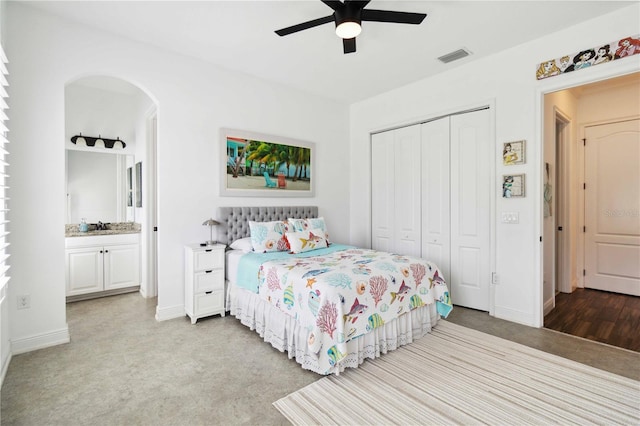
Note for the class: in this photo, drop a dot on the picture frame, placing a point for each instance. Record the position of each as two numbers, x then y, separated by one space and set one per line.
139 184
261 165
513 153
513 186
129 186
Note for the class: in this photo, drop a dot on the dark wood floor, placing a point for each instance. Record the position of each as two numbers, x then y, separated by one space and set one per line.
605 317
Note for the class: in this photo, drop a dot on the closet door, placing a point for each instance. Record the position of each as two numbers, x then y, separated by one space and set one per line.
382 186
408 166
471 156
395 191
436 242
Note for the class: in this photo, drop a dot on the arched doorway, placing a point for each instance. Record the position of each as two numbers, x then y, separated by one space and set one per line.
124 197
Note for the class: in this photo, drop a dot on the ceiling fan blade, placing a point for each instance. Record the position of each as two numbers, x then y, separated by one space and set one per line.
304 26
392 16
360 3
349 45
333 4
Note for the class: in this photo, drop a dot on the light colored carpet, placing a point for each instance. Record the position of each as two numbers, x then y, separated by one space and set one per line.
456 375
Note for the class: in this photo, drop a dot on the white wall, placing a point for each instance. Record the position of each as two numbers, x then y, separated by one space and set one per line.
507 79
194 101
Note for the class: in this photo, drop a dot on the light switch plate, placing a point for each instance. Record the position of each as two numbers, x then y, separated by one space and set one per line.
510 217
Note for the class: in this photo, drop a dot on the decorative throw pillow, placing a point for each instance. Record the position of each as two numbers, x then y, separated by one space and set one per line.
312 239
309 223
268 236
243 244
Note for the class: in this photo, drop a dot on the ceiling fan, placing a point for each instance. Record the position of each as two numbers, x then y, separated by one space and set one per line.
348 17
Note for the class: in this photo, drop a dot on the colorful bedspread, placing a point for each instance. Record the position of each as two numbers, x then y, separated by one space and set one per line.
342 295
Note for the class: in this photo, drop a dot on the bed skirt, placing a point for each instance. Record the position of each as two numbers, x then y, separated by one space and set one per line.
284 333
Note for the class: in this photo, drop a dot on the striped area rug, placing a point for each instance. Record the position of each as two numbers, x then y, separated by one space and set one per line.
456 375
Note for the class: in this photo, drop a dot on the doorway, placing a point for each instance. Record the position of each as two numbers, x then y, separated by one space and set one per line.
114 108
570 117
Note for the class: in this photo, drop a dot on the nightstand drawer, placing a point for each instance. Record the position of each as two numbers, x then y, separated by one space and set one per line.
208 259
209 280
210 302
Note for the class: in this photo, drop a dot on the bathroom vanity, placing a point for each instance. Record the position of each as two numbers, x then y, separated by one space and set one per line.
102 263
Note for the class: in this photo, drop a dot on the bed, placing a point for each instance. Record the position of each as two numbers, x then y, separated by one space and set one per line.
329 306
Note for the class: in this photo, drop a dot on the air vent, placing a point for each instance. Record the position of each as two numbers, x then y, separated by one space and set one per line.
454 56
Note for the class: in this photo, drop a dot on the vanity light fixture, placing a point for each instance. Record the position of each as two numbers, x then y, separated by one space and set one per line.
98 142
211 223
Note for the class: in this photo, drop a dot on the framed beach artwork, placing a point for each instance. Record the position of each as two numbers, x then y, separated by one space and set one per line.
512 186
513 153
260 165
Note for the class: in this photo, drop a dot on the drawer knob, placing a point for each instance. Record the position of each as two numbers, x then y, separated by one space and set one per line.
209 271
208 292
208 250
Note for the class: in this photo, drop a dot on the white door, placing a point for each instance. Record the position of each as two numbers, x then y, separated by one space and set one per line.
471 160
436 240
612 207
395 191
382 186
407 191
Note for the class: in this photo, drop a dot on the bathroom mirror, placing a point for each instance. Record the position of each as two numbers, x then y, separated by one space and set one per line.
98 187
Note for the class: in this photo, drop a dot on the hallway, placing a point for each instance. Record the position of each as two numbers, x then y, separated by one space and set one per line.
601 316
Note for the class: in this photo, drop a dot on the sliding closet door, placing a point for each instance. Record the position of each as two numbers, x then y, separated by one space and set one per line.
395 191
436 241
382 187
470 210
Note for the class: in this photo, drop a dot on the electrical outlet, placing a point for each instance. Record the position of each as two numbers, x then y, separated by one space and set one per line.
494 278
24 301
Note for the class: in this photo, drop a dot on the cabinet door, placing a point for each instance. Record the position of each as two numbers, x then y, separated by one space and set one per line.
84 270
121 266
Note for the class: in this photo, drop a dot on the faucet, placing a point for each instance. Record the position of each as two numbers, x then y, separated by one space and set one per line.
101 226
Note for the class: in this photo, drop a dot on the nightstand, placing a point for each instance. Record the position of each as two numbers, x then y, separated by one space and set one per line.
204 293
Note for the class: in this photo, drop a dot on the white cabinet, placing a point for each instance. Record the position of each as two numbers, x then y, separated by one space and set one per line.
102 263
204 281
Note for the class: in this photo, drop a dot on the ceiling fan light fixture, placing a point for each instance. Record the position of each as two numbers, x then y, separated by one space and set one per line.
348 29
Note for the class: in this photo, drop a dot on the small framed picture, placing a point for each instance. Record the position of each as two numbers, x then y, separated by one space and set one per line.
512 186
513 153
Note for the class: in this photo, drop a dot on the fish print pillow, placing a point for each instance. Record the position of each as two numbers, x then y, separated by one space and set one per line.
312 239
268 236
309 223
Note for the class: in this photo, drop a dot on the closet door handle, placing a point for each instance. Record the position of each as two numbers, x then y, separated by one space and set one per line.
208 292
208 250
208 272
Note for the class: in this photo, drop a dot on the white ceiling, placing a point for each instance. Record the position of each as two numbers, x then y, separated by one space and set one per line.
239 35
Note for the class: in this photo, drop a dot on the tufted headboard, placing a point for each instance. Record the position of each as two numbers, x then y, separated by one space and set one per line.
235 220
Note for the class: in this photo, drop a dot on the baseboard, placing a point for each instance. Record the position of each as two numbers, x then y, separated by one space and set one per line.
5 368
549 305
514 316
40 341
163 314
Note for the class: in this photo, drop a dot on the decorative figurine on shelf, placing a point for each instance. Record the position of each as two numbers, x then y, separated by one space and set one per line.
211 223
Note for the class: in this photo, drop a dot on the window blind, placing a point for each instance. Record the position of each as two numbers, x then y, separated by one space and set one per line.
4 177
